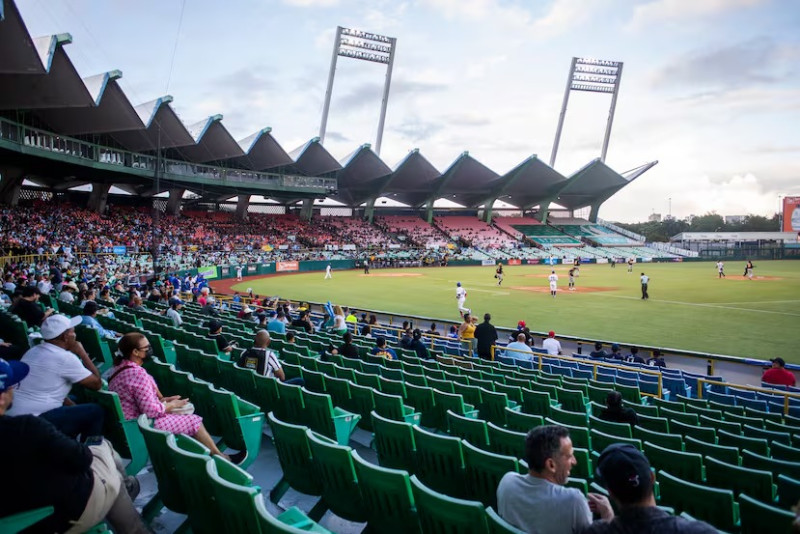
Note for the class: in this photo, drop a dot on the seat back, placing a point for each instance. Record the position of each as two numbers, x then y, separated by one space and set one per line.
189 457
483 471
291 403
522 422
684 465
439 462
124 435
506 442
421 398
440 513
669 441
498 525
567 417
754 482
571 400
169 486
756 445
536 402
387 498
601 440
234 497
394 443
716 506
764 463
466 428
362 401
622 430
758 517
335 469
294 455
720 452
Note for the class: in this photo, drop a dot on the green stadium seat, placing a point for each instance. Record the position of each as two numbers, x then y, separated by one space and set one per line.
571 400
292 521
393 387
469 429
314 381
322 417
643 409
776 467
756 445
781 451
335 468
654 424
368 380
566 417
715 414
744 420
392 407
440 462
712 505
495 406
522 422
234 496
294 455
685 465
421 398
169 486
445 386
387 498
579 435
498 525
514 393
601 440
669 441
484 471
536 402
266 393
471 394
583 468
362 402
681 417
622 430
758 517
757 484
764 416
124 434
788 491
96 347
770 435
707 450
598 392
450 401
394 443
706 434
413 378
440 513
18 522
718 424
670 405
506 442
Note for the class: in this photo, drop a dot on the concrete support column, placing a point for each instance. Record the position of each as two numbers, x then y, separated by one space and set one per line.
369 210
98 198
487 211
10 185
242 203
594 211
544 210
429 212
307 209
174 201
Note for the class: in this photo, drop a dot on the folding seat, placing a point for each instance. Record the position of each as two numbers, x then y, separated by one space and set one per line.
622 430
583 468
328 368
691 401
495 406
598 392
468 429
770 435
351 363
706 434
471 394
439 462
442 513
367 380
415 379
335 468
671 405
522 422
244 384
421 399
234 500
728 400
294 455
189 458
450 401
314 381
344 372
514 392
754 482
654 424
536 402
776 467
124 434
763 414
169 486
568 417
685 465
709 450
238 422
579 435
292 521
394 443
681 417
506 442
392 407
758 517
781 451
629 393
391 374
571 400
322 417
387 498
266 392
307 362
292 371
438 374
756 445
339 390
484 471
498 525
719 424
715 506
744 420
726 408
488 384
642 409
601 440
663 439
788 491
362 402
787 426
519 382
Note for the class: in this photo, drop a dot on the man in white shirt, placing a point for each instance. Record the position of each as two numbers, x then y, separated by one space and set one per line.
328 272
461 298
68 291
720 269
175 304
551 344
553 279
519 350
55 366
645 280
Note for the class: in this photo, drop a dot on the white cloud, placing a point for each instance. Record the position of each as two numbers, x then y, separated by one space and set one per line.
312 3
664 10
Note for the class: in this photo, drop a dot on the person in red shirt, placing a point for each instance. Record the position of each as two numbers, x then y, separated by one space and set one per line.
778 375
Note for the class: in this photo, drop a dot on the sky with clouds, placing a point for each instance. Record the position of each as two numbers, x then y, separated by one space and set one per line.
710 88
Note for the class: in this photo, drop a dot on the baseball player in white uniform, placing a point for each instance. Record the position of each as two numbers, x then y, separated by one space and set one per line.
553 279
328 272
461 297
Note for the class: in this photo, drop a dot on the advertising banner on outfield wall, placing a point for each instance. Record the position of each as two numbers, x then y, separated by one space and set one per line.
533 262
515 262
488 262
286 266
208 271
791 214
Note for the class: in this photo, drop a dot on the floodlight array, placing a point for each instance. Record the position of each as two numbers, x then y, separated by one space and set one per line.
366 35
598 62
366 56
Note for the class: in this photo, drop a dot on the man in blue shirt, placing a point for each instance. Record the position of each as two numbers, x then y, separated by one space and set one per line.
89 319
276 323
380 349
519 350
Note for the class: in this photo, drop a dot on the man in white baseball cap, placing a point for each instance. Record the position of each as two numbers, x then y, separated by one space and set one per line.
55 366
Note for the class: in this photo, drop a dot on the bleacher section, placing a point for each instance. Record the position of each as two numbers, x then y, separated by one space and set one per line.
475 232
414 229
547 236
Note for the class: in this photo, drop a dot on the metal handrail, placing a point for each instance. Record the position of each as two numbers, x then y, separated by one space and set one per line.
785 394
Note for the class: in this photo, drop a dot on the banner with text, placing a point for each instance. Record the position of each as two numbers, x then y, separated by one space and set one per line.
208 271
791 214
286 266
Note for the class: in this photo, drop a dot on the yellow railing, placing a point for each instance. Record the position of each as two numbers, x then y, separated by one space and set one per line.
540 356
785 394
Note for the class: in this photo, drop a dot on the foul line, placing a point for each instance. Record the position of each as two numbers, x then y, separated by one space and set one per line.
701 305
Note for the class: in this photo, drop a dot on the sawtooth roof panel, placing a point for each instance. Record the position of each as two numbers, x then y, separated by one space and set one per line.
262 152
14 36
164 128
213 142
412 180
312 159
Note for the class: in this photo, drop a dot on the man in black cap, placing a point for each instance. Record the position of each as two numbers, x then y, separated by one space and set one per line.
778 375
625 472
215 333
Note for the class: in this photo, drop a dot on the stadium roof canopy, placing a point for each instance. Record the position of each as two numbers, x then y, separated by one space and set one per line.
39 79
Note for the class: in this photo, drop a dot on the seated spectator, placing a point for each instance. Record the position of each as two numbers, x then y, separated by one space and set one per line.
84 484
519 350
347 348
432 331
551 344
136 303
244 312
522 328
598 353
452 333
54 369
89 318
778 375
366 330
380 349
625 472
634 357
538 501
215 333
351 317
415 343
616 412
657 359
616 353
68 292
264 361
28 308
175 307
277 324
139 394
303 321
339 324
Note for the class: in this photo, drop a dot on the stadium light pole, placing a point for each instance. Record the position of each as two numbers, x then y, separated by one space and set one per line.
365 46
593 76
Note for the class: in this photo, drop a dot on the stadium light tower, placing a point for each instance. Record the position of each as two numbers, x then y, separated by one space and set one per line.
367 47
594 76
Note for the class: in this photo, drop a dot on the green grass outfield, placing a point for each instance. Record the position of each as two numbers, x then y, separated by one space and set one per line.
689 307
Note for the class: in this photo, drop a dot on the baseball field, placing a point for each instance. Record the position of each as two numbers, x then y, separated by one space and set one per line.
689 307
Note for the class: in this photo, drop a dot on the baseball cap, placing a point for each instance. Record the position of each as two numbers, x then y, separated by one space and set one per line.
12 373
615 346
551 334
780 361
214 325
247 309
175 301
521 324
55 325
625 472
